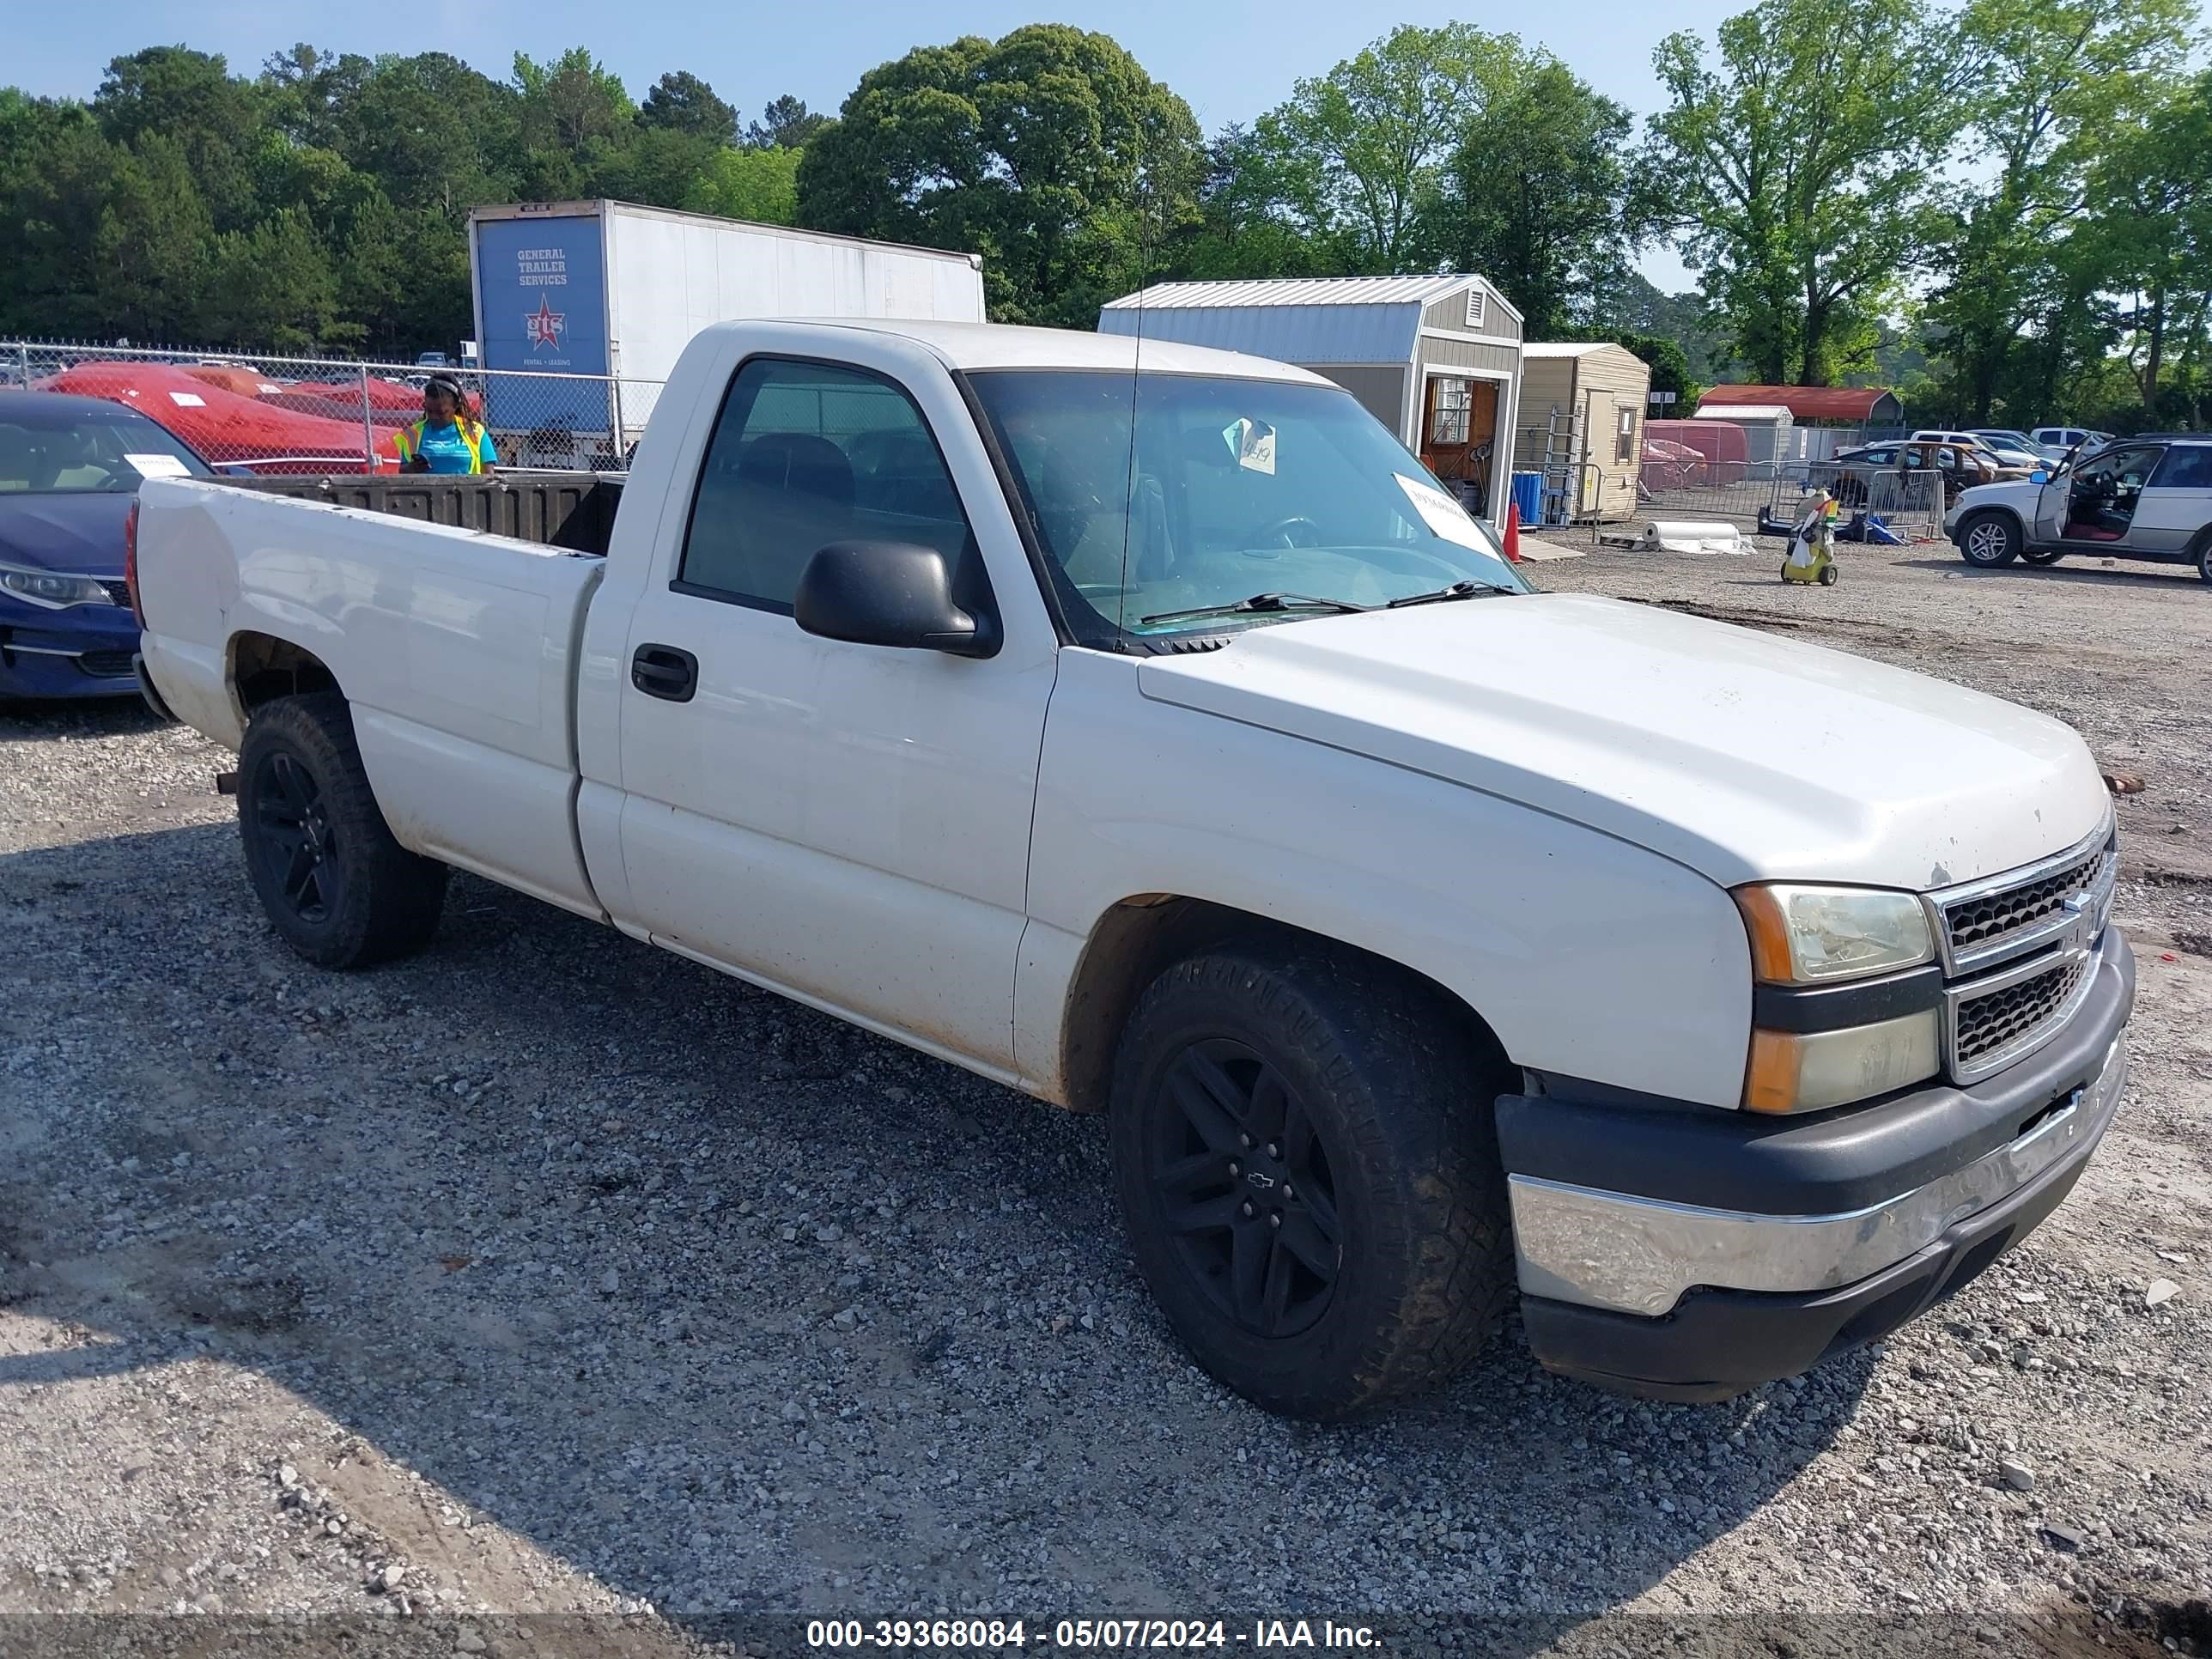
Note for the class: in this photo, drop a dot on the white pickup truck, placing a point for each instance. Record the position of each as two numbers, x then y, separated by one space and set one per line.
1150 734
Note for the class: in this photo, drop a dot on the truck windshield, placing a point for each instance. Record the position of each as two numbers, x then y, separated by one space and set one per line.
1228 491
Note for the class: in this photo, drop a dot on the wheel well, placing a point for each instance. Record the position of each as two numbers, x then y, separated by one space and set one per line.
1135 940
264 668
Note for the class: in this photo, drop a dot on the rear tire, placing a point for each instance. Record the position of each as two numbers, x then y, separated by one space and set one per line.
1307 1163
338 888
2204 557
1828 577
1987 540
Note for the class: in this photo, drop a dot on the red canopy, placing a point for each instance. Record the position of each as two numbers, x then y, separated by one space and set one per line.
225 426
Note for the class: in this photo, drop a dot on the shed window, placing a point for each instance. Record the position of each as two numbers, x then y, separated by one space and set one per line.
1626 449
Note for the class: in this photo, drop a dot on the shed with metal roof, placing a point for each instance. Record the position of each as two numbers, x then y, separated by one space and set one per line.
1436 359
1582 423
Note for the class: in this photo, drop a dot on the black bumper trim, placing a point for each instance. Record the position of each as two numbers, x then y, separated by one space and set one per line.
1823 1163
1717 1344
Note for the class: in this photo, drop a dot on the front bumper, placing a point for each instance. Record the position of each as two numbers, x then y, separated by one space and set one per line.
1684 1254
85 651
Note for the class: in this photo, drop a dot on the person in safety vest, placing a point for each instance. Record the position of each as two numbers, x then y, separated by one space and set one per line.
447 439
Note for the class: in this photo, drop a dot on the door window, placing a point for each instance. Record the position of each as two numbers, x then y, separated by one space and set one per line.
2187 466
1451 407
802 455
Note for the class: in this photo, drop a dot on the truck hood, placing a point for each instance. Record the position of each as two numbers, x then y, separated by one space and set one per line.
1740 754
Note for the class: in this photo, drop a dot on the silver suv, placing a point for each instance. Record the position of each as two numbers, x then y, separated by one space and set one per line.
2148 497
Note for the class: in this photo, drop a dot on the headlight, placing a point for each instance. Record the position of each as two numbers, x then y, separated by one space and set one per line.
1817 935
55 593
1805 938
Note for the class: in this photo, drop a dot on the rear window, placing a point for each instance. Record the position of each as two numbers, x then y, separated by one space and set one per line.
2187 466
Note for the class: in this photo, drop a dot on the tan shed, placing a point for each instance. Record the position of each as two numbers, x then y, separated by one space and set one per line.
1582 425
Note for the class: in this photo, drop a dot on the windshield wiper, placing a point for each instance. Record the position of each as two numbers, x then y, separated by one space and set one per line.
1259 602
1465 590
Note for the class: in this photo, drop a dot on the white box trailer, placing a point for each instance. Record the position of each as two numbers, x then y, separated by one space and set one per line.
613 291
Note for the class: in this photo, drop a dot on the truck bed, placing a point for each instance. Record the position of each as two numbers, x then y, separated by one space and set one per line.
572 511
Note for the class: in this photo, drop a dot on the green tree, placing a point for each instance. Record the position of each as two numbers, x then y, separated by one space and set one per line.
190 98
1670 371
2057 80
1050 151
434 134
304 91
2153 232
574 120
682 102
273 286
151 250
785 123
1532 199
759 185
1358 153
1797 174
1244 228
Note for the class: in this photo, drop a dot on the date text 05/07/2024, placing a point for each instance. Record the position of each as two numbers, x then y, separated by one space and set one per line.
1087 1635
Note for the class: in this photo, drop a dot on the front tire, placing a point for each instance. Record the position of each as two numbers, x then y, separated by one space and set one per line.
2204 557
1987 540
339 889
1308 1166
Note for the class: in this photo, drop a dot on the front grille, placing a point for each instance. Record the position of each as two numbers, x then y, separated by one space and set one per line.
106 665
1991 1025
118 592
2018 951
1985 923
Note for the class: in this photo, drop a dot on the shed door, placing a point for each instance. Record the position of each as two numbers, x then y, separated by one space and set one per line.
1459 429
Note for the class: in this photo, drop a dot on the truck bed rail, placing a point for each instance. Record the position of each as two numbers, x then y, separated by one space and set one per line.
572 511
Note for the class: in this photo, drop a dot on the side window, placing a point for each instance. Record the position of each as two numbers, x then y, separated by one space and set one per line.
802 455
2187 466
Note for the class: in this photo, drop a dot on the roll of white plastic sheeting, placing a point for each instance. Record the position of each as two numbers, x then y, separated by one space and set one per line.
1692 536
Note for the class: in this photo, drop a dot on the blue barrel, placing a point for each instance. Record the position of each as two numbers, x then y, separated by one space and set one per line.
1528 496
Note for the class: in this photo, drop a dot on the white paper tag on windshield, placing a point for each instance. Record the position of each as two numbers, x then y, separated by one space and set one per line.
158 466
1443 514
188 400
1253 443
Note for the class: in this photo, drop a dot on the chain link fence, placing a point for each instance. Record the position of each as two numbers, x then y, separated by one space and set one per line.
1750 495
252 412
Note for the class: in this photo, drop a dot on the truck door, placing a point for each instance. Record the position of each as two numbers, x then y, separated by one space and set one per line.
2177 503
846 823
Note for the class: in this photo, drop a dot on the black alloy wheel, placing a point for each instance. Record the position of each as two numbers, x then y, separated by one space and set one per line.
299 850
1242 1181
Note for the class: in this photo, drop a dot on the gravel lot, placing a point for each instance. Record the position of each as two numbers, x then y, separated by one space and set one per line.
548 1292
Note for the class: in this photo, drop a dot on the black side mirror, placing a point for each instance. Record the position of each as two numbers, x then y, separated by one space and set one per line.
894 593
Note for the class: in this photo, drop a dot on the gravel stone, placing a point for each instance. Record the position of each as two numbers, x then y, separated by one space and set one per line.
2016 1475
398 1291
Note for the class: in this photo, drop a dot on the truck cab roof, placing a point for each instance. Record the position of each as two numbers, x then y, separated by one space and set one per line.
997 345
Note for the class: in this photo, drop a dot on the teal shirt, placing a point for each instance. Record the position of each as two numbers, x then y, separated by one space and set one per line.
446 451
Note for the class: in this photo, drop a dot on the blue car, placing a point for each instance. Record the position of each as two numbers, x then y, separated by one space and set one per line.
69 470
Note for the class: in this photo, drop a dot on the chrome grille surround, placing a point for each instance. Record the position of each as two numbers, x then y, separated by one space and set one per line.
2018 951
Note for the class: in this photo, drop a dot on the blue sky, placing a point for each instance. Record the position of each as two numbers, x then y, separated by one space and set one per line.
1230 58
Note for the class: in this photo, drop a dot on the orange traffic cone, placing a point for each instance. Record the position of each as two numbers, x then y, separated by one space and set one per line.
1513 531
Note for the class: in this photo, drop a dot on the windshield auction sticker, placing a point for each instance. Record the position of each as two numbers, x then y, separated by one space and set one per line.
1443 516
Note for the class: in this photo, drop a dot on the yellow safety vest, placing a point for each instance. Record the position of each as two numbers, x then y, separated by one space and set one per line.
410 440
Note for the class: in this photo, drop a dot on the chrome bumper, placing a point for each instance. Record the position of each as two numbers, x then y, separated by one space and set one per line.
1638 1255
